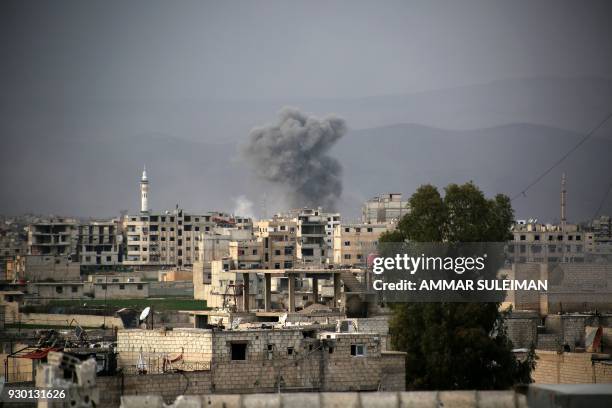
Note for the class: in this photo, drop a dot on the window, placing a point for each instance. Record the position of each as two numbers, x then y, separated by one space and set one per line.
277 252
74 289
59 289
357 350
121 287
347 243
347 256
289 351
238 351
370 229
522 238
347 230
140 286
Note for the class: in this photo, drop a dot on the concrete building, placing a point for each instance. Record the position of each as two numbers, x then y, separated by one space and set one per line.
55 268
54 237
13 240
121 290
384 208
313 246
45 292
599 238
281 240
535 242
572 287
258 359
171 238
99 243
354 242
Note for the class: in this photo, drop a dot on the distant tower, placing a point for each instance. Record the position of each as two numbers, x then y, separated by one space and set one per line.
563 198
144 192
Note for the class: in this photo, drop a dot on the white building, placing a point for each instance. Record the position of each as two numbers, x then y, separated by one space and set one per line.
384 208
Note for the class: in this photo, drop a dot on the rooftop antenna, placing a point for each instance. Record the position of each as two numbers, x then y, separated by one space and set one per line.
563 198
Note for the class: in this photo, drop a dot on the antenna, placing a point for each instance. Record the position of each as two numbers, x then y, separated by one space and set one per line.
563 198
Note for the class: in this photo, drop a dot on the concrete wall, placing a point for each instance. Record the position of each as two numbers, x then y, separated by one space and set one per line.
46 292
571 368
125 290
168 386
292 359
195 344
41 267
522 328
179 288
458 399
48 319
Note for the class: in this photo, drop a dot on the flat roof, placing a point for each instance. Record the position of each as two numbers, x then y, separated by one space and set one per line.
297 271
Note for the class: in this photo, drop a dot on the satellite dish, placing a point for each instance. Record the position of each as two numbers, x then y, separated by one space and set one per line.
145 313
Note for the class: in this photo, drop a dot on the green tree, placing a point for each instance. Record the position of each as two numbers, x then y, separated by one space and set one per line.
455 345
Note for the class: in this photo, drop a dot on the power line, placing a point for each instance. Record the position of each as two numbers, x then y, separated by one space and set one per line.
603 200
565 156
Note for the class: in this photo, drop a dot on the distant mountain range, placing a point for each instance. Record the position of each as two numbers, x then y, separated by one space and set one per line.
99 176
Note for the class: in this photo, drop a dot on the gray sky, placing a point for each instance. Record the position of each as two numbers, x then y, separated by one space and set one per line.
78 75
272 49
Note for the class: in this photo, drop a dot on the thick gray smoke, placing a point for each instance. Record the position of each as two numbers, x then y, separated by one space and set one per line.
294 154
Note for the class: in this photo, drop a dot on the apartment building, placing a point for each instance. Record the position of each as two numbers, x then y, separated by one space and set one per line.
169 238
599 237
384 208
281 240
53 237
99 243
535 242
354 242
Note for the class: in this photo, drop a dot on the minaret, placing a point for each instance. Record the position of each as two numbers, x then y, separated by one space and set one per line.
563 194
144 192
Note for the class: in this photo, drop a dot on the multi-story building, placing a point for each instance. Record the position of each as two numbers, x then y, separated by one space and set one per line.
280 237
384 208
170 238
13 239
354 242
99 243
312 238
53 237
599 237
534 242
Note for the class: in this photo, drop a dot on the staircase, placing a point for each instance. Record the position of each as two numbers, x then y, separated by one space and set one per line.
351 283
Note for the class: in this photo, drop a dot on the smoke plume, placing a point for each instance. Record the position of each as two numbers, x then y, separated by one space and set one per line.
294 154
243 207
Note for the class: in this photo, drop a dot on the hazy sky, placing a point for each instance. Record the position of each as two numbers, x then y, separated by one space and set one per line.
92 76
266 49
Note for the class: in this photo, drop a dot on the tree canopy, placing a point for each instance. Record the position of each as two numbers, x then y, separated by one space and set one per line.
455 345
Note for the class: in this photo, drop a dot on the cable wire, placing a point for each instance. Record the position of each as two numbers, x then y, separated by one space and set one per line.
565 156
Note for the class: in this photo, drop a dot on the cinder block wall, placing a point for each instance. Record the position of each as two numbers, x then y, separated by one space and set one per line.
570 368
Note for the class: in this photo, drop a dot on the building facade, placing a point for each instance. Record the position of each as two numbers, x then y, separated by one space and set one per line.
384 208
